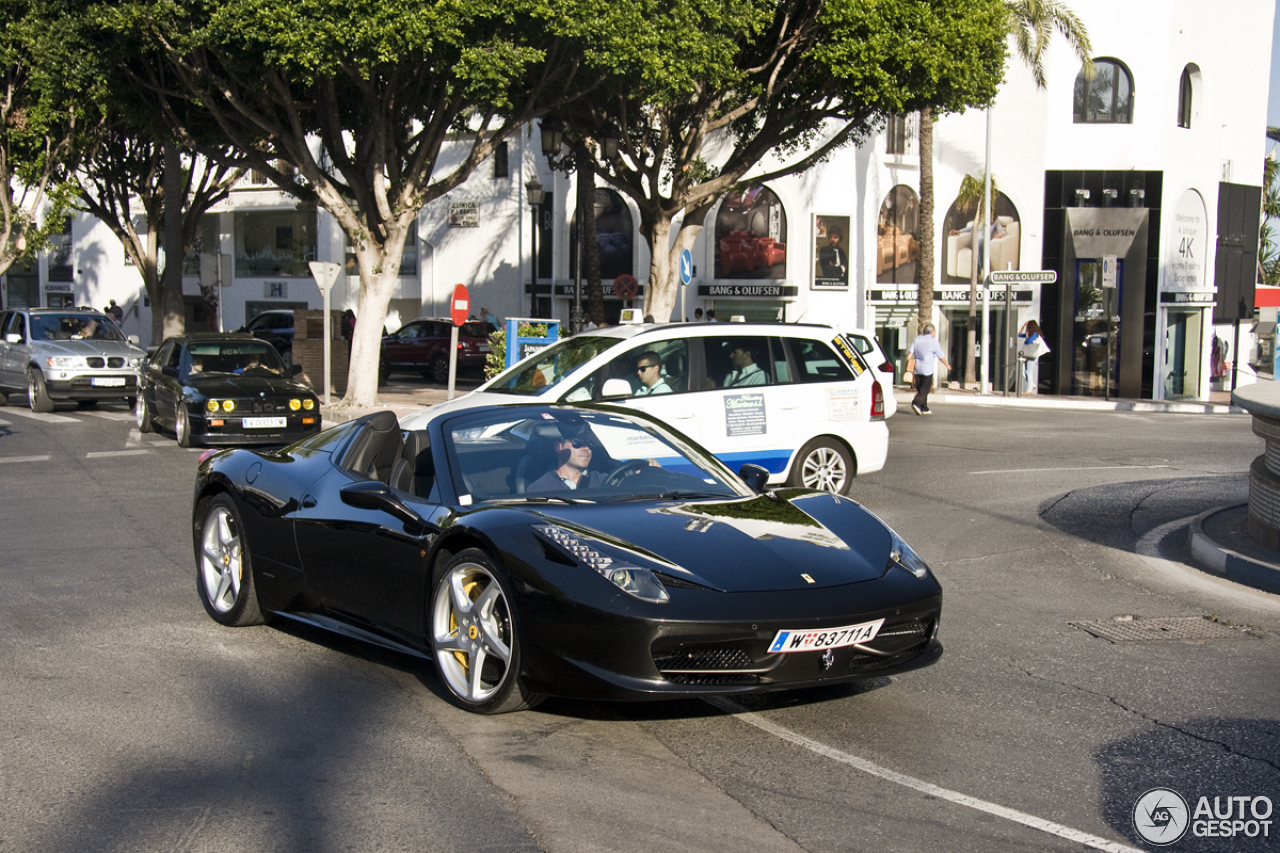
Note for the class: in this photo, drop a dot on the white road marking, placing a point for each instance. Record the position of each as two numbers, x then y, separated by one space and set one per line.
44 458
1082 468
97 454
755 719
41 416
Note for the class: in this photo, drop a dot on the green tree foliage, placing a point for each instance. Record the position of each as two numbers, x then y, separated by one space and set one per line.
1032 24
37 138
348 105
746 91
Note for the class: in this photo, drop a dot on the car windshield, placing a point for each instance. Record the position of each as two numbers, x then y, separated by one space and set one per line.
529 379
560 453
74 326
254 357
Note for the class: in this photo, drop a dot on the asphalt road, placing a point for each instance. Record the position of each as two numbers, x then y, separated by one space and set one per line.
130 721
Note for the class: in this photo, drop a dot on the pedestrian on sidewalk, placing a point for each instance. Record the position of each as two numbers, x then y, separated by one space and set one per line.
926 354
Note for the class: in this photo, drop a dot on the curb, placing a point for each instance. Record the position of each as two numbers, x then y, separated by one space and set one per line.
1241 568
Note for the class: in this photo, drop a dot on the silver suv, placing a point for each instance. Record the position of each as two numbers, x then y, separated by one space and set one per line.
60 354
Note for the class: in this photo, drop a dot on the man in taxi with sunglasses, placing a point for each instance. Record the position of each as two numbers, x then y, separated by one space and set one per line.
649 369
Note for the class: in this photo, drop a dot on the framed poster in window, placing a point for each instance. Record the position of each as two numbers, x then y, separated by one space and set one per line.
830 252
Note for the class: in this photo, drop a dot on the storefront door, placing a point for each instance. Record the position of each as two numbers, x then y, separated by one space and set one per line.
1096 330
1183 343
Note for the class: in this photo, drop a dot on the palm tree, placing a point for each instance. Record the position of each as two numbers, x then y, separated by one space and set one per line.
1268 251
970 200
1032 23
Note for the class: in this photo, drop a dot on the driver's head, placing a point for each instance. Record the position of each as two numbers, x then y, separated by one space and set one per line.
574 446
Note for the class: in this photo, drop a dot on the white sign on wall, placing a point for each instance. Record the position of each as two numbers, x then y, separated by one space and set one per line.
1185 254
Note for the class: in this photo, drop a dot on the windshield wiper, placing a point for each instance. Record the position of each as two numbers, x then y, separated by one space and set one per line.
542 499
674 495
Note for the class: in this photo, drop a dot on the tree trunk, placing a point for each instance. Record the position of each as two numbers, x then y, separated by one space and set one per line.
664 266
924 299
170 308
379 271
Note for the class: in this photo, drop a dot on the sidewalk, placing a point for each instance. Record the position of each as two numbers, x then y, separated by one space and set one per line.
1219 402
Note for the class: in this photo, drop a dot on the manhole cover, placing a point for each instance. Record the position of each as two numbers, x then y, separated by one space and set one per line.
1127 630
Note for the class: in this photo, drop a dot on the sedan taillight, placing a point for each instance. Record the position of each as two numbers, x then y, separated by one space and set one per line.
877 401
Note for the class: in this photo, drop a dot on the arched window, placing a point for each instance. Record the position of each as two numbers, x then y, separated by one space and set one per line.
1108 97
898 237
1187 89
751 235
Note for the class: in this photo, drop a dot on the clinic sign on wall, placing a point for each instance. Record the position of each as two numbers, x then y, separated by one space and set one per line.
1186 250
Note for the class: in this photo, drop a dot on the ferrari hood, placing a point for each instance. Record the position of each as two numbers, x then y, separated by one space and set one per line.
746 544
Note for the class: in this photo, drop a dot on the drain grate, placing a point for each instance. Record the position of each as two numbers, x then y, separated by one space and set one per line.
1128 629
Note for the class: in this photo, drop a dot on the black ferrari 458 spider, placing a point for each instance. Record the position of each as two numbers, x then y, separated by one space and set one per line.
536 550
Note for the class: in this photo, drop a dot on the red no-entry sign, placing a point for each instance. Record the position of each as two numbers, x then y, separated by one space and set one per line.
460 305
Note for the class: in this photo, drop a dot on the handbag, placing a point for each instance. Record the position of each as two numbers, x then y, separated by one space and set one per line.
909 375
1033 348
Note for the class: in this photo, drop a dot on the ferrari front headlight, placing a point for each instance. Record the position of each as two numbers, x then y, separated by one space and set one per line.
902 556
630 578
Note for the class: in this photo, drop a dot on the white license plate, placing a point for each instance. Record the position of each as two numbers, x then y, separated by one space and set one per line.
108 381
265 423
483 348
826 638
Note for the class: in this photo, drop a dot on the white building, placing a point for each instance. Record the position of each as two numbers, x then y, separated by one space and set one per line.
1157 162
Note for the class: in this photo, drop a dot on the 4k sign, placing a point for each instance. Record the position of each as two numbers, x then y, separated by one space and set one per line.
459 305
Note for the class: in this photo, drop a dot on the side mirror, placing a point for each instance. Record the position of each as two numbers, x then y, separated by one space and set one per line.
755 477
376 495
13 338
297 369
135 340
616 388
169 371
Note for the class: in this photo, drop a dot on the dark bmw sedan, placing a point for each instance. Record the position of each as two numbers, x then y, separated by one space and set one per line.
222 389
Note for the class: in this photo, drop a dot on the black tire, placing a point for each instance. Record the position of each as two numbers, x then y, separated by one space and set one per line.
439 369
142 415
182 426
4 397
824 463
384 373
472 624
38 392
224 570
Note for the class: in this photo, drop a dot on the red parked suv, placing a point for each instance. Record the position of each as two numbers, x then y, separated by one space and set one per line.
422 346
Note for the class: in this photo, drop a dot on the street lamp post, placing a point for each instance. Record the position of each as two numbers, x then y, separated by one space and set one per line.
534 189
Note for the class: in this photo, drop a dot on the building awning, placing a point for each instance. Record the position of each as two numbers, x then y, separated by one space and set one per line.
1266 297
1264 330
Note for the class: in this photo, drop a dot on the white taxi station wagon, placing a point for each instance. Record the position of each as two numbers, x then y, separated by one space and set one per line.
797 400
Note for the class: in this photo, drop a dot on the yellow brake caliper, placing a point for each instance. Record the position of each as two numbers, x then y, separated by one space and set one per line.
472 589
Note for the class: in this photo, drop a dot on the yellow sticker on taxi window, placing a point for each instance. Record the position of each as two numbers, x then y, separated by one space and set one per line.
851 357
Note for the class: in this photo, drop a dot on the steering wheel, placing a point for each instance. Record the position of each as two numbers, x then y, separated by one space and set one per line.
626 469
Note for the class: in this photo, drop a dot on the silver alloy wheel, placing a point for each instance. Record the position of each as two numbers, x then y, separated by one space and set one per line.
471 624
221 562
182 429
140 417
824 468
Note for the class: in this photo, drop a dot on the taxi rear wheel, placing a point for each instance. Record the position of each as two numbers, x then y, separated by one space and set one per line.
824 463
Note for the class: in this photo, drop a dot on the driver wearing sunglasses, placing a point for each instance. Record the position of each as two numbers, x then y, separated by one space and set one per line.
649 369
573 457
